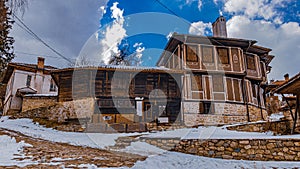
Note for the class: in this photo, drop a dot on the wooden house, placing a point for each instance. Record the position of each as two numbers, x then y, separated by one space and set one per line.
198 80
123 94
290 89
223 77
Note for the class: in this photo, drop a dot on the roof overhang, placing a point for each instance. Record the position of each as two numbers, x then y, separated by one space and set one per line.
292 86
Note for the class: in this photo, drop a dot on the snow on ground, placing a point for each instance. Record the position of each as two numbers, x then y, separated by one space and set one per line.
176 160
157 158
143 149
27 127
179 160
276 117
213 132
10 149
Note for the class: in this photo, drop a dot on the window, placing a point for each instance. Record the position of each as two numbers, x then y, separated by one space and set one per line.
197 83
207 54
28 81
251 62
192 54
263 72
230 89
206 108
254 91
218 85
52 86
223 54
237 90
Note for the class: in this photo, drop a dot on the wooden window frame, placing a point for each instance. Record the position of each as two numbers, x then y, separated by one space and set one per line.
52 86
204 58
251 59
28 80
189 47
220 61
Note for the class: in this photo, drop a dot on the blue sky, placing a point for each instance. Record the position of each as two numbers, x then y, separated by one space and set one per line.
70 25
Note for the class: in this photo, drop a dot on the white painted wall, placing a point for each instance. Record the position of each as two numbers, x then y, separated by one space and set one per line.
39 82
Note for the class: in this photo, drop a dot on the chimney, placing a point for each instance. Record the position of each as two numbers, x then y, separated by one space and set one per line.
286 77
40 63
219 27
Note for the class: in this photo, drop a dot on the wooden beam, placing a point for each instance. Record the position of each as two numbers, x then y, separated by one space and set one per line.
290 107
296 114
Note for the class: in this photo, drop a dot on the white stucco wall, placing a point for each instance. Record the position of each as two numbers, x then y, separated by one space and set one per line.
39 82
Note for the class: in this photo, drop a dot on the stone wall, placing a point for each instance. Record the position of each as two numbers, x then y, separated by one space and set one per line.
30 103
238 149
224 113
277 127
62 111
257 114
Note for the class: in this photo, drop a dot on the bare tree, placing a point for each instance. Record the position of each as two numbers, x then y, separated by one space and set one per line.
125 57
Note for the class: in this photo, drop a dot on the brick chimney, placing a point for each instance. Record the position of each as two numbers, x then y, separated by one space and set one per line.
41 63
286 77
219 27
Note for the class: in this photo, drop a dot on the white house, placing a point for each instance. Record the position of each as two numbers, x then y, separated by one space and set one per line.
23 79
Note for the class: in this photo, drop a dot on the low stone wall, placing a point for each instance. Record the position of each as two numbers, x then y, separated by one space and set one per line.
238 149
224 113
277 127
34 102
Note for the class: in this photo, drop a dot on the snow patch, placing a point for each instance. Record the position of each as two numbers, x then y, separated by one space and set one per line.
10 149
144 149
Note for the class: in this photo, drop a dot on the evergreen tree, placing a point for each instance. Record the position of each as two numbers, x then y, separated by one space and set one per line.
7 8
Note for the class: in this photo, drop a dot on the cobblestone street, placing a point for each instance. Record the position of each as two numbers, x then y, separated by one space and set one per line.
48 154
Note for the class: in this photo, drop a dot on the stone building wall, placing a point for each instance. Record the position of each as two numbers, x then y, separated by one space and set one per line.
30 103
256 114
224 113
62 111
238 149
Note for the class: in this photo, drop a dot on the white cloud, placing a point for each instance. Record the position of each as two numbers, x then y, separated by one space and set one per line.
254 8
200 4
169 35
284 39
200 28
112 36
190 2
48 20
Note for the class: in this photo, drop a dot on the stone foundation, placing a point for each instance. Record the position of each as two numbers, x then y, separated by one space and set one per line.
256 114
62 111
224 113
34 102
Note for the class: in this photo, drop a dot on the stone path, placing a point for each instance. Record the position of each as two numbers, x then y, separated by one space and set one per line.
69 156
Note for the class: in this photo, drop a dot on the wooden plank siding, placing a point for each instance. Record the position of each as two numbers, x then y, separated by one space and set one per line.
116 90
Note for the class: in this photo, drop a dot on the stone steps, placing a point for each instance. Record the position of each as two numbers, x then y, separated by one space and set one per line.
123 142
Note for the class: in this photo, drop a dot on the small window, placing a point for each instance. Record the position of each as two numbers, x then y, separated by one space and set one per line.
192 54
28 81
251 62
207 54
197 83
206 108
218 84
254 91
223 54
52 86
